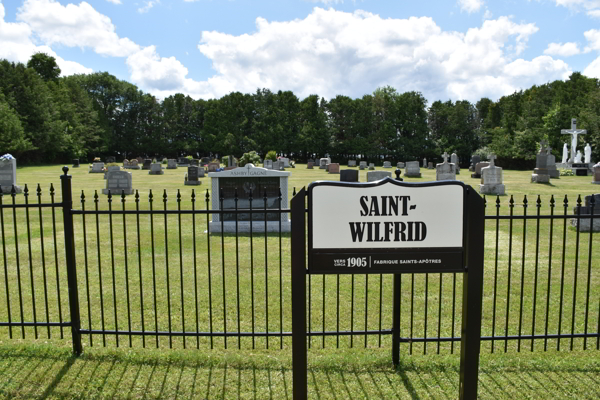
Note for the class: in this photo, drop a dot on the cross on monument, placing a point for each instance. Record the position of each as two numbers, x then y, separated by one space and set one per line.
445 156
544 146
492 157
573 132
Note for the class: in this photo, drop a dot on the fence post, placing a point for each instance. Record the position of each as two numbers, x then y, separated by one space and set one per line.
396 321
67 205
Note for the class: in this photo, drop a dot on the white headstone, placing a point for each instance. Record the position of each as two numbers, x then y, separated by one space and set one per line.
412 169
8 174
491 179
155 169
97 168
268 164
445 171
286 162
454 160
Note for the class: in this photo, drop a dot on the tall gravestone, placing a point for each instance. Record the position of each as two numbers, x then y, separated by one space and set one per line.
323 162
424 162
118 182
474 161
412 169
8 174
249 182
445 171
596 179
551 164
454 160
491 179
540 173
191 178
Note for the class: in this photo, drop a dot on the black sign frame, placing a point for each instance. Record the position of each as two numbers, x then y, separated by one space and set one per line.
473 248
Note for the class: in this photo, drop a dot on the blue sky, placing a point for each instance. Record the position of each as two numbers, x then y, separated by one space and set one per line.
452 49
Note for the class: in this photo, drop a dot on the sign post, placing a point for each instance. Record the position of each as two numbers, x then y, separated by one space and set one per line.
390 227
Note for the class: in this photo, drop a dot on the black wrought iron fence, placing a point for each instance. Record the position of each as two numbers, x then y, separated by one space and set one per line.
145 270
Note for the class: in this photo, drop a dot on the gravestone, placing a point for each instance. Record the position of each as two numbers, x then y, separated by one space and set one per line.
387 164
268 164
424 162
474 161
147 163
491 179
323 163
540 173
110 159
171 163
195 162
133 164
430 165
285 161
585 223
478 167
352 163
111 168
8 174
183 161
76 163
371 166
310 160
327 168
126 164
204 161
278 166
373 176
445 171
551 164
454 160
596 175
117 182
412 169
400 165
349 175
231 161
244 181
155 169
140 160
191 178
97 168
362 165
212 166
334 168
310 165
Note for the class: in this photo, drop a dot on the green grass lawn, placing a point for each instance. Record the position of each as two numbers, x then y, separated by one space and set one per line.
252 275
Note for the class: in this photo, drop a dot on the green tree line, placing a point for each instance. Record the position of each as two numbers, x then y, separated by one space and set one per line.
45 118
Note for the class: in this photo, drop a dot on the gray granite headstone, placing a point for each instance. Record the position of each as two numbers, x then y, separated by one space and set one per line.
323 163
474 160
430 165
454 160
412 169
110 159
349 175
268 164
285 161
491 179
117 182
400 165
596 179
97 168
171 163
310 165
212 166
278 166
195 162
585 223
445 171
478 167
371 166
387 164
425 163
551 165
8 175
540 173
377 175
156 169
352 163
111 168
246 180
362 165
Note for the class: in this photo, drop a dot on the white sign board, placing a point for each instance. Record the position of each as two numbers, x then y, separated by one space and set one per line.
386 222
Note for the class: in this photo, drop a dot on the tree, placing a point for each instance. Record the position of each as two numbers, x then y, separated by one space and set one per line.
12 135
44 65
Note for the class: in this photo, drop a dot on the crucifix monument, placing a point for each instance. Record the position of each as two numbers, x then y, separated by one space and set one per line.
574 132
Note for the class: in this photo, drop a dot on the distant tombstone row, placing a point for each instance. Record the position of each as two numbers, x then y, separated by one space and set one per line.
8 174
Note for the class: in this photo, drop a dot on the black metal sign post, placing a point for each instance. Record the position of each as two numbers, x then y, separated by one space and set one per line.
390 227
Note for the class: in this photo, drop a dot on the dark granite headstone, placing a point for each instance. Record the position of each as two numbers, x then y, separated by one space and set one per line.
474 160
76 163
147 164
349 175
110 159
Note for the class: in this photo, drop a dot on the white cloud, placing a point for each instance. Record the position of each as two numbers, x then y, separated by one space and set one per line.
592 7
74 26
326 2
470 6
488 14
593 69
17 46
114 1
594 13
593 38
148 6
564 50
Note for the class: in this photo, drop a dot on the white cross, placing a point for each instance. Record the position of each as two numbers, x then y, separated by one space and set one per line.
573 132
445 155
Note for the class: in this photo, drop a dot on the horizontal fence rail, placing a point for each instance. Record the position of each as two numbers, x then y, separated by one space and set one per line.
150 273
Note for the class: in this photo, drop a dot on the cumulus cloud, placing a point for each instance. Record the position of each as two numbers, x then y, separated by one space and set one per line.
564 50
332 52
593 38
114 1
593 69
591 7
17 46
470 6
74 26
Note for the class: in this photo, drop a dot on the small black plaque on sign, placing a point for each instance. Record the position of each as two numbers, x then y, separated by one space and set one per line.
386 227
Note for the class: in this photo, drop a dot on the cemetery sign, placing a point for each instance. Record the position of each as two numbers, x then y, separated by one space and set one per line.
386 227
